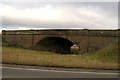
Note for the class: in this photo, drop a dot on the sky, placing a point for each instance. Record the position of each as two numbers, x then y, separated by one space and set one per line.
58 15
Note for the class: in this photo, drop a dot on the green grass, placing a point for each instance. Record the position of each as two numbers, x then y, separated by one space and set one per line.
106 58
5 43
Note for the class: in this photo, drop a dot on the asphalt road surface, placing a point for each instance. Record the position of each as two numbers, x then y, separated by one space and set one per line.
21 72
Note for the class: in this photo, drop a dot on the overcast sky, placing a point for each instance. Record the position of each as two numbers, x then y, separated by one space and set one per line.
60 15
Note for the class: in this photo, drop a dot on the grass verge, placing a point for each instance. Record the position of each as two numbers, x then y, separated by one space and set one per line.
106 58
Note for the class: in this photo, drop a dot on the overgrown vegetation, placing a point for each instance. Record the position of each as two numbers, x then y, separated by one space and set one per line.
74 50
7 44
106 58
4 42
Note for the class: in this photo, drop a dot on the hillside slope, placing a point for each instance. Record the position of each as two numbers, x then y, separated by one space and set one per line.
106 58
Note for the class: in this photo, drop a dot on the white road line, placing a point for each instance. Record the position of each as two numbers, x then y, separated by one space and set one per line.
59 71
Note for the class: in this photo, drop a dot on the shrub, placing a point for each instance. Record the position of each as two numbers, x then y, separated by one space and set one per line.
74 50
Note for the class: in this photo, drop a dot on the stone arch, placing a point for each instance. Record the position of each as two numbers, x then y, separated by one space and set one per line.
54 44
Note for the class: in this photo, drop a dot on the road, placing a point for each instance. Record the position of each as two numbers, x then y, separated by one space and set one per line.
21 72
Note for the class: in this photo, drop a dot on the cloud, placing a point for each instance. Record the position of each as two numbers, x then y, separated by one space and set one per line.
58 16
60 0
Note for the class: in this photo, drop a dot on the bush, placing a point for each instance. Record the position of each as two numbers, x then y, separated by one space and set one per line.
5 43
74 51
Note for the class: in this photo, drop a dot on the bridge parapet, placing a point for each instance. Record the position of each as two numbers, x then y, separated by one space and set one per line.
63 32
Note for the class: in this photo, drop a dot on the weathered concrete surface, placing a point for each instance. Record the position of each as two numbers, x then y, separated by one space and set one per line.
61 40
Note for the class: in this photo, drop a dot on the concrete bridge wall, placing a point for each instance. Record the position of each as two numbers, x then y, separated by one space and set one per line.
87 40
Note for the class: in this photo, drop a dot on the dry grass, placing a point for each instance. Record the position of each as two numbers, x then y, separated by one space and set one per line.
104 59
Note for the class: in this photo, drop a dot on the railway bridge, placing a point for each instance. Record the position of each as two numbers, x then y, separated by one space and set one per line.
61 40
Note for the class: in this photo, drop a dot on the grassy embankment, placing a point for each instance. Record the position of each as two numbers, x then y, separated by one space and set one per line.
106 58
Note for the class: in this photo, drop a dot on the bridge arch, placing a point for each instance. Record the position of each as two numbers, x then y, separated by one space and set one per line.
54 44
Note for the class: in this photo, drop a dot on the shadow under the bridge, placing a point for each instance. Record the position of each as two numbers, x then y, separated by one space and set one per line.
55 44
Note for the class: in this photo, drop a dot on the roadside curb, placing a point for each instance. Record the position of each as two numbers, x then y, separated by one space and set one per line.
60 69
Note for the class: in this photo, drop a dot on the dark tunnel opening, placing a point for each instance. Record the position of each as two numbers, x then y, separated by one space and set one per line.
55 44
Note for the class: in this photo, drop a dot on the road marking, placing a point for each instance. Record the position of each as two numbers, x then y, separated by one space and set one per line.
59 71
